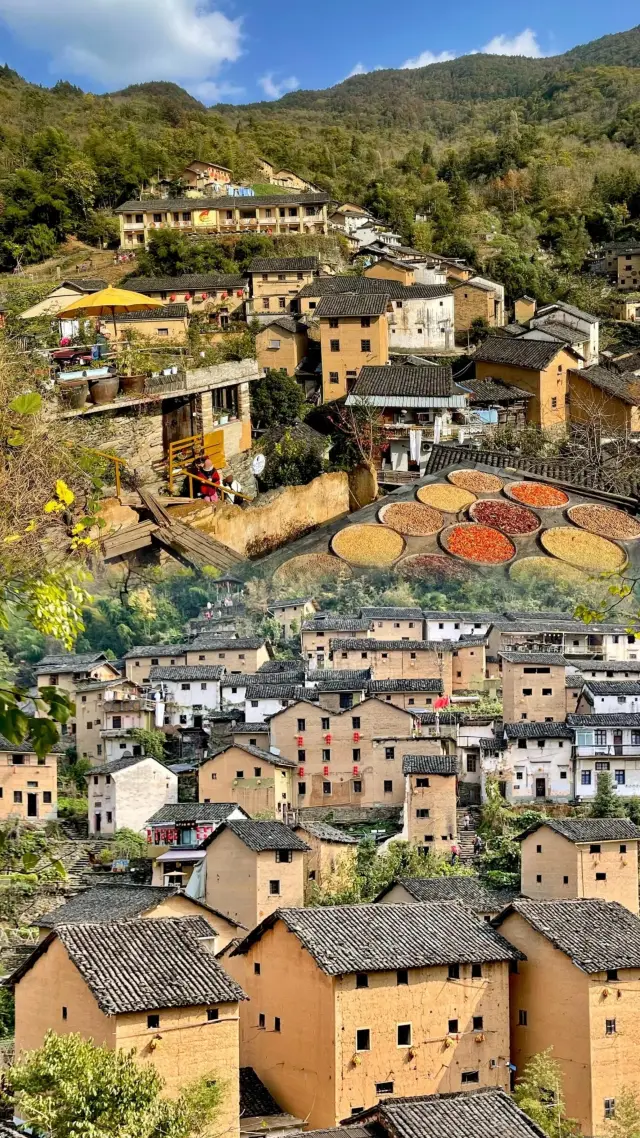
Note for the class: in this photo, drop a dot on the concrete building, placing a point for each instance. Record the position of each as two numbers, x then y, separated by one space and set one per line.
606 742
275 283
330 852
535 762
124 793
609 697
581 857
261 782
354 333
575 990
430 802
537 366
352 1002
28 783
252 868
533 686
95 700
555 632
272 213
188 692
130 984
457 624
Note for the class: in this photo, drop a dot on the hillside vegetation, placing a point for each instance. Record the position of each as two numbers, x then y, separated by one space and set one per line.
520 163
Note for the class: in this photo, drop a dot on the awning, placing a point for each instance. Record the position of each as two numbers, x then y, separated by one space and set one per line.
181 855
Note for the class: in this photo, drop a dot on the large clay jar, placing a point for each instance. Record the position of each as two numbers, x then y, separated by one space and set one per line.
132 384
73 392
104 390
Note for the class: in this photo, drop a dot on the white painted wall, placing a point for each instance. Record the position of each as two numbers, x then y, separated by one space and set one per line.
421 323
131 796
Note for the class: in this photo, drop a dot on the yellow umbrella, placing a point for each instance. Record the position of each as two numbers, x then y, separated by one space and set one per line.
108 302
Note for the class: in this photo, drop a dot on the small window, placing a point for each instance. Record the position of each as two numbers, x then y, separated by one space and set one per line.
389 753
595 849
363 1039
117 721
422 782
302 724
539 878
326 723
384 1088
623 849
355 722
527 691
239 774
357 786
284 855
472 764
301 756
404 1035
334 377
609 1108
212 1014
476 971
257 772
326 788
612 973
46 796
276 1023
402 976
365 321
601 877
610 1027
334 345
302 788
362 980
262 1020
478 1023
333 322
65 1013
453 1027
153 1020
454 971
565 880
522 1018
388 786
326 755
365 345
17 796
274 888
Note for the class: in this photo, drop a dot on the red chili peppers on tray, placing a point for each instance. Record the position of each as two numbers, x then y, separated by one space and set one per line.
504 516
480 543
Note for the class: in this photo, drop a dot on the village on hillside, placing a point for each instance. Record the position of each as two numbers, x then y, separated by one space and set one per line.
323 789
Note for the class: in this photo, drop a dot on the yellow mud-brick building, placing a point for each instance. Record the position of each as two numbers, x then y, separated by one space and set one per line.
430 801
28 782
581 857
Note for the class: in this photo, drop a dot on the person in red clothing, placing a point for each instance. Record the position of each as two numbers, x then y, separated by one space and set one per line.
455 853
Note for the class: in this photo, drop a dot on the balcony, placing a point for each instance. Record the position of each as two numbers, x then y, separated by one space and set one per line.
609 750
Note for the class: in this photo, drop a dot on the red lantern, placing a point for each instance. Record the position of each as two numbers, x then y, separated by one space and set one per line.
224 296
205 296
300 740
356 736
149 835
239 292
327 738
301 771
172 297
187 296
325 770
355 770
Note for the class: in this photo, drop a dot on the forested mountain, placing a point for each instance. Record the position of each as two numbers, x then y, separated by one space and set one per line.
500 157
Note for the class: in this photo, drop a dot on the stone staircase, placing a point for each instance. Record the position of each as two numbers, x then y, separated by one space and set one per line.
466 837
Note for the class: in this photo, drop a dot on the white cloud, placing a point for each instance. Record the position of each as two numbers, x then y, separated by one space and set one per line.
426 58
526 43
209 92
116 42
273 88
359 69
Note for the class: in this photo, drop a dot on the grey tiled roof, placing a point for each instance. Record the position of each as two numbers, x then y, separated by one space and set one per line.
430 381
282 264
587 664
466 616
184 672
379 938
198 281
193 812
597 935
553 659
485 1113
277 691
408 645
156 650
346 675
120 764
613 719
85 284
575 680
390 612
255 752
70 661
492 391
255 1100
514 351
525 730
26 747
206 640
473 893
353 304
624 387
569 472
142 965
221 201
588 829
568 308
324 286
168 312
267 679
613 687
261 835
429 764
335 623
399 685
327 833
107 903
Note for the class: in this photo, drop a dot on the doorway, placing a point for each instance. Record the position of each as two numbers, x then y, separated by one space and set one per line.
32 805
617 742
541 788
177 420
97 823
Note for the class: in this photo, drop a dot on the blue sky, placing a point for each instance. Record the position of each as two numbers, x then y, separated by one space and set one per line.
245 50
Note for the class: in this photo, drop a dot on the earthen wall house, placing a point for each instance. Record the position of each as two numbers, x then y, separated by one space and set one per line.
260 782
430 802
537 366
28 783
533 686
254 868
582 858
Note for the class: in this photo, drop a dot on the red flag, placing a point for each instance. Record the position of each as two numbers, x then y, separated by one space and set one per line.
442 701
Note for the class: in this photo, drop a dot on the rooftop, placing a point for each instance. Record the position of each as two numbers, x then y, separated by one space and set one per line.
597 935
168 312
485 1113
612 719
283 264
261 836
588 829
141 965
430 764
196 281
220 201
255 752
472 892
553 659
70 661
613 687
156 650
186 672
400 685
327 833
525 730
379 938
353 304
492 391
532 354
207 640
122 763
107 903
391 612
625 387
333 622
195 812
430 382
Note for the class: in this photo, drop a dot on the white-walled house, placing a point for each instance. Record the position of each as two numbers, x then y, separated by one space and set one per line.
454 625
125 793
233 687
609 742
536 762
420 316
264 700
609 697
188 692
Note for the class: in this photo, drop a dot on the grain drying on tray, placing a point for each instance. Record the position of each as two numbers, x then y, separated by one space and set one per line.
534 569
442 496
605 521
309 568
537 494
368 545
505 516
476 481
584 550
481 544
432 567
411 518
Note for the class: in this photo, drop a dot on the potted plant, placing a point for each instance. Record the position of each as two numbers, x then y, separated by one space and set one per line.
132 370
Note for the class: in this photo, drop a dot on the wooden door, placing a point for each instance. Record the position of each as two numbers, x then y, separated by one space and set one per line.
541 788
177 419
